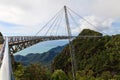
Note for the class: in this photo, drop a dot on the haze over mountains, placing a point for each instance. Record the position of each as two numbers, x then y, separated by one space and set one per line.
43 58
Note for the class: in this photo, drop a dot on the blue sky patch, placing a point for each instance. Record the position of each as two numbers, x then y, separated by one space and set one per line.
116 24
7 24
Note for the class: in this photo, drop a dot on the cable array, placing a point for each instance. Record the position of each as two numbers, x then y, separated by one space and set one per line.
97 28
46 25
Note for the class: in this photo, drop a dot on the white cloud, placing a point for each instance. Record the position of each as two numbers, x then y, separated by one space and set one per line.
100 24
103 25
32 13
14 14
28 12
109 8
105 8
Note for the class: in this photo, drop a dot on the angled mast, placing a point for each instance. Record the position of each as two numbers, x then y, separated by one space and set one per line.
70 44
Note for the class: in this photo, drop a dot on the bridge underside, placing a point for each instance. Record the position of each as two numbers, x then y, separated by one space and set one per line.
20 45
17 44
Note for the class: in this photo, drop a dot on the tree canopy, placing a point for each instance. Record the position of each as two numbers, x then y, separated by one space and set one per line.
101 56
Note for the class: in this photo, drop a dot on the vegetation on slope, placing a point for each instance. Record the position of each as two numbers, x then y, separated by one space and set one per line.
87 32
1 38
31 72
95 57
37 72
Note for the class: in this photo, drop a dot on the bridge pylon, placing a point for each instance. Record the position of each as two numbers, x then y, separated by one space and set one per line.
71 48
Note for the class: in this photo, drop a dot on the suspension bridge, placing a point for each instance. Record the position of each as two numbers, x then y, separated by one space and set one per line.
13 44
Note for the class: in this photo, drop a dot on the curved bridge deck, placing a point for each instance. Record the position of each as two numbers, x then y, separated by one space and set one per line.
18 43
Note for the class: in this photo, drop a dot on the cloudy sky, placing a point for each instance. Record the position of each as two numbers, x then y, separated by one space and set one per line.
26 17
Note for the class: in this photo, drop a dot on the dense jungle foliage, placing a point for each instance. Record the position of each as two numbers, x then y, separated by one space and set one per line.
96 58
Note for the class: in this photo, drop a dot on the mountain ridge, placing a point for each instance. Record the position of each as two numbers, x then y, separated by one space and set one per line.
43 58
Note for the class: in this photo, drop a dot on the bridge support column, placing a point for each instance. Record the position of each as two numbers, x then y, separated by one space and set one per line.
70 45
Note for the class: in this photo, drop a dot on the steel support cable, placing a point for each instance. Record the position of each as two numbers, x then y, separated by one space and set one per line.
52 30
85 20
66 33
77 25
55 25
58 25
51 25
48 22
73 19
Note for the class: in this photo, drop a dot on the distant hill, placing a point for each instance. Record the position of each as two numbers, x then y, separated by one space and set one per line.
43 58
95 57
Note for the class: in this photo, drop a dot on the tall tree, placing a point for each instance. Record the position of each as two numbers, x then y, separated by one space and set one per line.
1 38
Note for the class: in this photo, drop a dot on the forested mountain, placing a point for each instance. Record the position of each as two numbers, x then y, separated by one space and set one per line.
43 58
95 57
37 65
